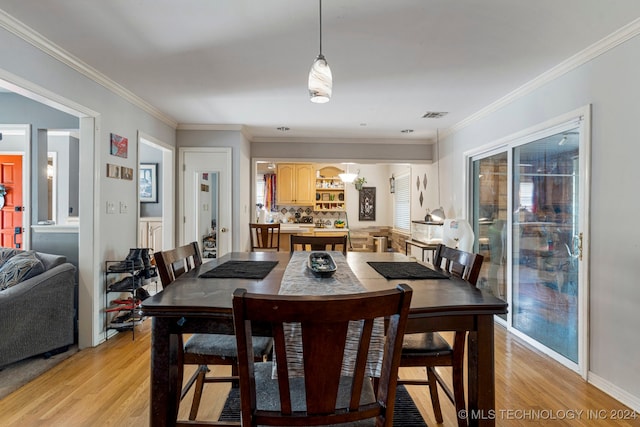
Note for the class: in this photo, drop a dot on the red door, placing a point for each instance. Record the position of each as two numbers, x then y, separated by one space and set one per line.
11 212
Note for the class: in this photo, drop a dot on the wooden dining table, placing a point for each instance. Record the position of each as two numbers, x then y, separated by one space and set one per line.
198 305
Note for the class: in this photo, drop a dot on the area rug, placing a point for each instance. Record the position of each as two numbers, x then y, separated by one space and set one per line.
240 270
17 374
406 414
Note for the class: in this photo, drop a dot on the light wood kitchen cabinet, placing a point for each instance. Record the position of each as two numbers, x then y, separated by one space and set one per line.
295 184
150 233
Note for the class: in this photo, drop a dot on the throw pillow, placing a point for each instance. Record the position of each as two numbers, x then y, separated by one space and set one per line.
18 268
6 253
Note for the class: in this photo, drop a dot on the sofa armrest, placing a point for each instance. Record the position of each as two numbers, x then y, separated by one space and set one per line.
38 314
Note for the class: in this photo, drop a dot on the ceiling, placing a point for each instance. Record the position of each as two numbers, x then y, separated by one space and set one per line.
246 62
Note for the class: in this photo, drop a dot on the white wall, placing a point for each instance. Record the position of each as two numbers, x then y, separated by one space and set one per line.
610 84
102 237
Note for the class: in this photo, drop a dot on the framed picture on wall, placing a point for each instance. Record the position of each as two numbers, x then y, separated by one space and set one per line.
367 208
149 182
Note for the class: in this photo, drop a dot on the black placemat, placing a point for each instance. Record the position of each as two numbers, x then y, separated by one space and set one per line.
405 414
405 270
240 270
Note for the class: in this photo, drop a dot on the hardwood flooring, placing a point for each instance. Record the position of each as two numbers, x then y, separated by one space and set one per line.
109 386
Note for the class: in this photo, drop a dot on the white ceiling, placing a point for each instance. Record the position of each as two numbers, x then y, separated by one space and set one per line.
246 62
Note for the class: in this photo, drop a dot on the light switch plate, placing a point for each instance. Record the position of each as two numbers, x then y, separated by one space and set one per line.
124 208
111 207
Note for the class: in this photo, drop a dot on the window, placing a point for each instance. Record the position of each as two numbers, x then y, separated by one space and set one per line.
402 204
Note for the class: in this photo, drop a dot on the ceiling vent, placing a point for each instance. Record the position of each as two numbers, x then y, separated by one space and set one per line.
434 114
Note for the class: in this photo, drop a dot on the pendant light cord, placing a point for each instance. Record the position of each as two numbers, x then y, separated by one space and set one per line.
438 148
320 14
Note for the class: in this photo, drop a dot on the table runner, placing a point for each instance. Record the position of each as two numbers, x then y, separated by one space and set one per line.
240 270
405 271
299 280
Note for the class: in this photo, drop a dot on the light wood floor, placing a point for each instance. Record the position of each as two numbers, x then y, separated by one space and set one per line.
109 386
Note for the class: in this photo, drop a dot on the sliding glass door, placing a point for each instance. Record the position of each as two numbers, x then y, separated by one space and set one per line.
527 211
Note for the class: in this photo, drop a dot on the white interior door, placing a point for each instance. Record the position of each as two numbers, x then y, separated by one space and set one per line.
198 162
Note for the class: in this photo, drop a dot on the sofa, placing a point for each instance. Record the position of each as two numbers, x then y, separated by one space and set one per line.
37 304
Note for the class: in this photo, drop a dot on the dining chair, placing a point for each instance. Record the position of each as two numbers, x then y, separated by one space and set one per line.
202 349
431 350
264 237
318 243
321 394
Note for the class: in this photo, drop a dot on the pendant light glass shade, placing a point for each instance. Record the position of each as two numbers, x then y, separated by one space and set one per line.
320 81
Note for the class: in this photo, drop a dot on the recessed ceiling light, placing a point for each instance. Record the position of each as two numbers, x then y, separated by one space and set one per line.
406 130
283 129
434 114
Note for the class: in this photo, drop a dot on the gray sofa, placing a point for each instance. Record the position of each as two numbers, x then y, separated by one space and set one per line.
37 315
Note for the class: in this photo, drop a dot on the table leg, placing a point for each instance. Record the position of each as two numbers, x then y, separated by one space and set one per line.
481 371
165 375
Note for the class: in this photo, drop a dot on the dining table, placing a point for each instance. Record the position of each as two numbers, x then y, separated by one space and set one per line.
193 304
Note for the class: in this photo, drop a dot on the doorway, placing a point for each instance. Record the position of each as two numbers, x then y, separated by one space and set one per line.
205 184
529 217
11 203
155 214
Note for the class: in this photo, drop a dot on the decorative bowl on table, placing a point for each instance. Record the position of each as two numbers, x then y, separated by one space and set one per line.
321 264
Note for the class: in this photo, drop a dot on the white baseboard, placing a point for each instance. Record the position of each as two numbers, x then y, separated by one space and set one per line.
614 391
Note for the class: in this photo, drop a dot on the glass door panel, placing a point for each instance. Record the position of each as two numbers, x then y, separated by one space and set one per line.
545 232
490 222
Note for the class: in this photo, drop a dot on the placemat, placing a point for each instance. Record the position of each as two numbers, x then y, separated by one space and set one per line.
405 270
240 270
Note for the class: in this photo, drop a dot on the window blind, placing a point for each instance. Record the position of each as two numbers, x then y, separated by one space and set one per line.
402 204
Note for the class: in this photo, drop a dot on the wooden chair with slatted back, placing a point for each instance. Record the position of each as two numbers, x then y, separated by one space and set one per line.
265 237
319 243
321 395
431 350
202 349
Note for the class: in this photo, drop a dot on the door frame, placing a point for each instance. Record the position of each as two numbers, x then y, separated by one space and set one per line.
168 187
580 117
225 187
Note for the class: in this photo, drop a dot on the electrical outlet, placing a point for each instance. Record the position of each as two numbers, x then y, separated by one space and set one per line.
124 208
111 207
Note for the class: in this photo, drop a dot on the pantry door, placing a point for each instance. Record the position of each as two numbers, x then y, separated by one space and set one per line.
11 232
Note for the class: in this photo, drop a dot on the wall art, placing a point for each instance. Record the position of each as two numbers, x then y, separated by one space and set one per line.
119 145
367 210
148 182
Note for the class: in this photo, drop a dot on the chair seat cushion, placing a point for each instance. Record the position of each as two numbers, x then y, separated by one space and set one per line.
268 396
428 343
224 345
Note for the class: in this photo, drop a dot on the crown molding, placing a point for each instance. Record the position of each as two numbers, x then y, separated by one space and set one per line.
611 41
37 40
203 126
328 140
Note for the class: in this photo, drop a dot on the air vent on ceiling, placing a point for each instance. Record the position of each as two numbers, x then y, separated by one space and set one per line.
434 114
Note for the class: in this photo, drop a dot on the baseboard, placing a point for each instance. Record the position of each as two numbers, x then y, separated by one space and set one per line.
614 391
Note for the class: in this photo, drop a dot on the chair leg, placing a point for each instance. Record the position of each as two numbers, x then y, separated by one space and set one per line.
433 391
458 376
197 392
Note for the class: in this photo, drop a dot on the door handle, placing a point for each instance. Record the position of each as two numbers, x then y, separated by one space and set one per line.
223 230
16 232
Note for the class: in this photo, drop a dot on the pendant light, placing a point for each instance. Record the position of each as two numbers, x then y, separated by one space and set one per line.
348 177
320 79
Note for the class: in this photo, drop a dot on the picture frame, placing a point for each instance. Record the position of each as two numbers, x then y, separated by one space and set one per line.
113 171
119 146
148 182
367 204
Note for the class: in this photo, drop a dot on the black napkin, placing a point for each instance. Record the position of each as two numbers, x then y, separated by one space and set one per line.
240 270
405 270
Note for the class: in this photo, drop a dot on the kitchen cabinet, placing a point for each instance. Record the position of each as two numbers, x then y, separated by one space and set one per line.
150 234
329 191
295 184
